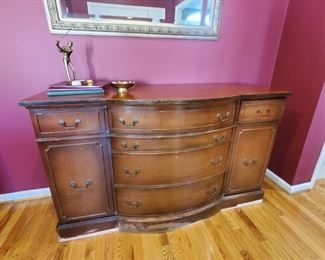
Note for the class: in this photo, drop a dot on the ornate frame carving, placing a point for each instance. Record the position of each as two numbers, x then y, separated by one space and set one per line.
60 25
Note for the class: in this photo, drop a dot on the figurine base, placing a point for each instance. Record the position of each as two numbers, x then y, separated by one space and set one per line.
81 82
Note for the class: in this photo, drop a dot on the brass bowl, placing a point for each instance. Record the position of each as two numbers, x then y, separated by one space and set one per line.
122 86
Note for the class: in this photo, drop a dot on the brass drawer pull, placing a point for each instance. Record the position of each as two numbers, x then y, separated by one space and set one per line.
213 191
223 117
217 161
247 162
75 186
266 113
220 139
64 124
135 121
129 204
127 172
132 148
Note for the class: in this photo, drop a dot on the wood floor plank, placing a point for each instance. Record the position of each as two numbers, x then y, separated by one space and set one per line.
202 243
179 244
310 241
282 227
228 244
151 246
304 218
280 235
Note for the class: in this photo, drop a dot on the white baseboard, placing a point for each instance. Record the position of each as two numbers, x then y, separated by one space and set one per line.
25 195
291 189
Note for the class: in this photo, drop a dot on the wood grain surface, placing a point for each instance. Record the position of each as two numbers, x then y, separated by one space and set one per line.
282 227
163 94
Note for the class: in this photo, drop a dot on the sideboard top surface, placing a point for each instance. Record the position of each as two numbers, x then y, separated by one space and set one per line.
163 94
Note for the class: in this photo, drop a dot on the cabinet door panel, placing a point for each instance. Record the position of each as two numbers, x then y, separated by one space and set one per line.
80 182
251 153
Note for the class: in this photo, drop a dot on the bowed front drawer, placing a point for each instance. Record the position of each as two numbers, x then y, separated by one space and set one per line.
135 120
154 143
169 167
166 200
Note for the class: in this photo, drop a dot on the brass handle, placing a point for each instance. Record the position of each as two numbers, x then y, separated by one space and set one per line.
223 117
212 191
127 172
220 139
247 162
129 204
266 113
64 124
134 122
75 186
132 148
217 161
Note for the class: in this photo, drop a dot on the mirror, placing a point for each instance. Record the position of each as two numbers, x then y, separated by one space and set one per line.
192 19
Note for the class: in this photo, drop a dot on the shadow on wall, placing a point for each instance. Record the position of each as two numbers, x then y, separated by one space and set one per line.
283 155
89 58
6 184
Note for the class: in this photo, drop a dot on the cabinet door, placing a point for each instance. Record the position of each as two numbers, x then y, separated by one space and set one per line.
79 178
251 154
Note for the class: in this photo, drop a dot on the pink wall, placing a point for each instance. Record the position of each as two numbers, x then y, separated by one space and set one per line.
300 67
29 62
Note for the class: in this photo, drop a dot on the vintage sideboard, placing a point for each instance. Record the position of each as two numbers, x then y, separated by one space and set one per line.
160 157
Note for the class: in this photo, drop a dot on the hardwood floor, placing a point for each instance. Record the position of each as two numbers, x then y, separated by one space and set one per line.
282 227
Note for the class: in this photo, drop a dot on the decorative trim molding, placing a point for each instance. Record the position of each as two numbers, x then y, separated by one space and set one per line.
104 232
25 195
291 189
245 204
61 25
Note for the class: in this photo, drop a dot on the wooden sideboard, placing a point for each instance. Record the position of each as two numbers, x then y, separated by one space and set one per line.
161 157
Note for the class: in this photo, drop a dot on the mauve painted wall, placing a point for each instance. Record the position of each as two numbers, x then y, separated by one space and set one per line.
29 62
300 67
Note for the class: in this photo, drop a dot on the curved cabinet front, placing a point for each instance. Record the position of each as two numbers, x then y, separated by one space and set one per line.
150 163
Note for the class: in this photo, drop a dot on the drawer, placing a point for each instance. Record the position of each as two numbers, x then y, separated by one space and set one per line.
71 121
168 200
142 143
179 118
262 110
169 167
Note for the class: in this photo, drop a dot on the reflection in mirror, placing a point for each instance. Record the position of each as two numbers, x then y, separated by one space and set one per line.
178 17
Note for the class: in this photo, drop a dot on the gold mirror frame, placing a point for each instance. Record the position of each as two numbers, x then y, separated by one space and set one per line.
85 26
